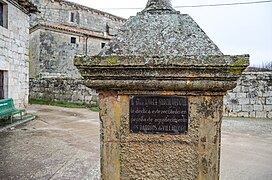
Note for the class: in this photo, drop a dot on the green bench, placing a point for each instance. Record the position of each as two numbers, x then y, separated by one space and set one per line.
7 109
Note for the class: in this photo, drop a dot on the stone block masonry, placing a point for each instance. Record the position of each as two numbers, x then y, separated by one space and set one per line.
252 97
14 43
61 12
60 31
51 51
246 100
64 29
65 90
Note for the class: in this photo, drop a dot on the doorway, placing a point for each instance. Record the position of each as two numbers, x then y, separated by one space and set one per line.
2 94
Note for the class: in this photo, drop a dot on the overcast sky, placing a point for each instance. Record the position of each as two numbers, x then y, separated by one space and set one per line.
240 29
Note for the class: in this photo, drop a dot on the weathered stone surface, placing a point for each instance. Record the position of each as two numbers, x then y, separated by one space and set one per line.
139 156
258 107
14 45
253 89
160 52
58 12
152 43
51 33
160 31
153 35
62 89
147 73
163 6
52 52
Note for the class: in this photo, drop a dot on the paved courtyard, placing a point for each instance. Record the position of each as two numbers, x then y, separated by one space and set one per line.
64 144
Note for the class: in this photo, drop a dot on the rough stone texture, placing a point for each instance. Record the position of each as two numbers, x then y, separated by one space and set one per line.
164 6
59 12
14 43
51 49
138 156
52 52
161 33
214 73
160 52
251 97
65 90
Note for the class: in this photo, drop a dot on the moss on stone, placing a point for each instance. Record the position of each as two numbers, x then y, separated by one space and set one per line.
112 60
241 61
78 59
235 70
236 67
95 60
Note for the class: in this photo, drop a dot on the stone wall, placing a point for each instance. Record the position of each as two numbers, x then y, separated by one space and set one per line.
14 43
252 97
52 53
52 30
59 12
65 90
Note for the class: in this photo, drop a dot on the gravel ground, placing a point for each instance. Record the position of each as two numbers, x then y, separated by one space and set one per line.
64 144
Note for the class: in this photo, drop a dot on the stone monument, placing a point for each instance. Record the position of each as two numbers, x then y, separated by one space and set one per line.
161 83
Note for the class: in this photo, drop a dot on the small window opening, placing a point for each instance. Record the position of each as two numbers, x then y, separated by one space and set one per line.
2 85
1 14
72 17
103 45
107 28
73 40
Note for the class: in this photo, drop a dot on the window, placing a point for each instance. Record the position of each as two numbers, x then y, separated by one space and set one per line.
1 84
73 40
3 14
107 28
103 45
72 17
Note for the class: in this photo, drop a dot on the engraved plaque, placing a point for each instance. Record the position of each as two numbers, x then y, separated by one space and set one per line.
158 114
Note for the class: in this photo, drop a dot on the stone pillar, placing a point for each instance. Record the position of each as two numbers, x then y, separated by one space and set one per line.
161 83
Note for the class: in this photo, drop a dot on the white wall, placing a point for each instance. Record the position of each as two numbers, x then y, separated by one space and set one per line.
14 44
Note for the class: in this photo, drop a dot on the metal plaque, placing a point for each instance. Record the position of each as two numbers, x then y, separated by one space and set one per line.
158 114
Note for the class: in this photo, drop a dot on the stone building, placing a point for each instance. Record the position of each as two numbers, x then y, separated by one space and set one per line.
14 46
62 30
54 46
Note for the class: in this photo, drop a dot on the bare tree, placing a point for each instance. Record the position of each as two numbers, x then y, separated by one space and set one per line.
261 67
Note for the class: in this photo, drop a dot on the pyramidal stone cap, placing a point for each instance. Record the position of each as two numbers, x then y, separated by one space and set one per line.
161 49
161 31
